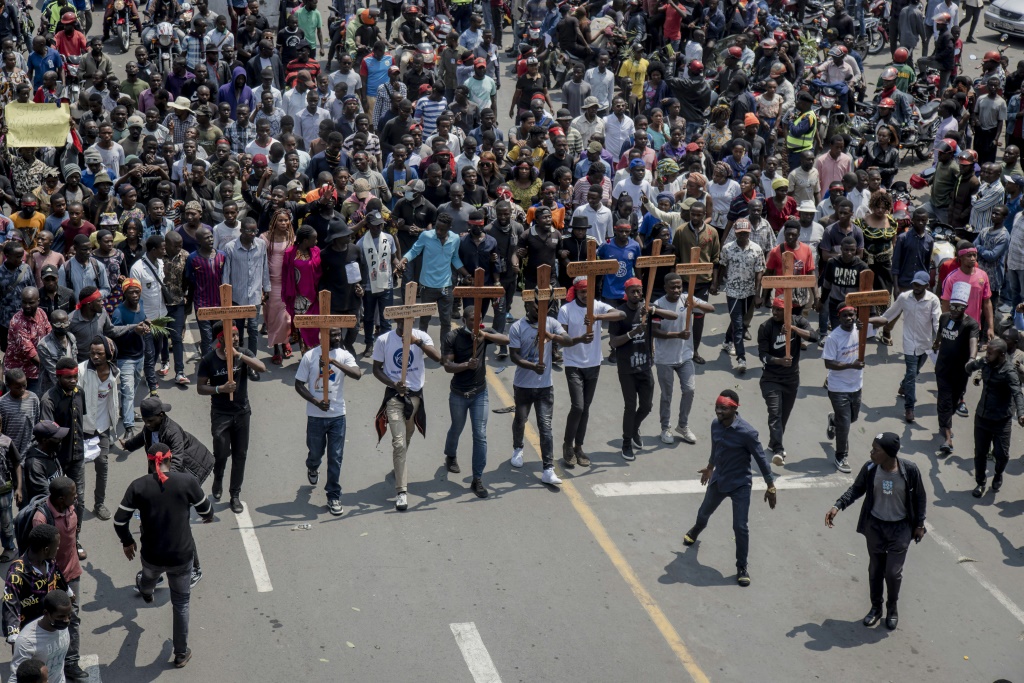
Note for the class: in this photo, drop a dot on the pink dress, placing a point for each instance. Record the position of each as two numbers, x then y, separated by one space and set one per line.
301 277
279 322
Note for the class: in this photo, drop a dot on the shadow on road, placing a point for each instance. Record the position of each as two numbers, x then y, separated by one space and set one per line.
685 568
833 633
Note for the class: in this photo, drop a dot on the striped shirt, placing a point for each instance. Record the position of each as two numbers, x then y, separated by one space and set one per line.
205 274
18 419
427 111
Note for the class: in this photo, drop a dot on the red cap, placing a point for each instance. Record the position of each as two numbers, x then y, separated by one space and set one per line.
424 88
736 51
259 160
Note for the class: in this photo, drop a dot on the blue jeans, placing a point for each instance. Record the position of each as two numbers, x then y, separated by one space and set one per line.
740 512
373 306
476 407
737 313
205 336
177 328
326 434
1013 288
7 520
250 327
131 372
914 365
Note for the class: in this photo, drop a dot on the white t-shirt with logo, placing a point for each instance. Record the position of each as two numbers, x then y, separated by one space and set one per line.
843 347
310 372
571 317
387 349
673 351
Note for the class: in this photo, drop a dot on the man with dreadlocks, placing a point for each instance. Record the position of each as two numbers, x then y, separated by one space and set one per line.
164 500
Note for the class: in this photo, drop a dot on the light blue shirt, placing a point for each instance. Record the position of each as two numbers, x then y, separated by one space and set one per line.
247 271
438 258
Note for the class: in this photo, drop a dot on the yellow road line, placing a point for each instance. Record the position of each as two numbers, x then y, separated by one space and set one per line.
600 534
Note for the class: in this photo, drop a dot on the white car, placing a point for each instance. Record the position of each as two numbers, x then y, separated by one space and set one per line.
1006 16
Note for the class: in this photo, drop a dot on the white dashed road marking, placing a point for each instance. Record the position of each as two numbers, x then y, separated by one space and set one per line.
650 488
253 550
475 653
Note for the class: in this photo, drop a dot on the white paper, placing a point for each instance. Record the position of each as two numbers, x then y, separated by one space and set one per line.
352 271
92 448
932 356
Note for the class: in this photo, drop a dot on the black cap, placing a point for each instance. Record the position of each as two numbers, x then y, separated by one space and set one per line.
153 406
340 230
49 270
47 429
889 442
374 218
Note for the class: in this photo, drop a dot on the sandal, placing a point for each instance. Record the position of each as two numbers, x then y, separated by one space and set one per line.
287 351
883 338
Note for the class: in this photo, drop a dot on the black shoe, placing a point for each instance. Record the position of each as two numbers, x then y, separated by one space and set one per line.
453 465
638 443
255 377
197 576
690 537
218 489
892 619
73 672
478 488
873 616
698 359
129 433
997 482
181 660
312 476
568 457
236 505
742 577
978 491
830 431
138 588
970 39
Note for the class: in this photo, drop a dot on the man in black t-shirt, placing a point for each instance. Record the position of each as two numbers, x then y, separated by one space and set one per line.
842 276
229 410
413 214
468 392
956 343
538 246
631 339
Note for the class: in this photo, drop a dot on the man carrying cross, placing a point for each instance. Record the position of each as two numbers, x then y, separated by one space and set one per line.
229 408
325 419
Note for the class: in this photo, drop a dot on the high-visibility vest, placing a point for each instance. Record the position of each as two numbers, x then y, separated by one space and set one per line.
801 143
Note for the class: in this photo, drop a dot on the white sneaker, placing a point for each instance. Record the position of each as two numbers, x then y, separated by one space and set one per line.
1004 309
728 348
779 459
517 457
549 477
401 502
741 365
666 437
687 434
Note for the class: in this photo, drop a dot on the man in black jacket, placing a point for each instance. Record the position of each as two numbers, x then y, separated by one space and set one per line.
1000 400
694 95
40 465
892 514
65 405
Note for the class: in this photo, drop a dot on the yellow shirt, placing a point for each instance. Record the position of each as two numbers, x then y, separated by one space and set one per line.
29 226
636 72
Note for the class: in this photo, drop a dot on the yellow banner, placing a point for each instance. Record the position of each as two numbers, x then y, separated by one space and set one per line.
37 125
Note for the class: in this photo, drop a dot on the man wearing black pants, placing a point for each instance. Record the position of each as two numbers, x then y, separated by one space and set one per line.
780 379
64 404
956 343
893 513
507 234
1000 400
229 410
631 338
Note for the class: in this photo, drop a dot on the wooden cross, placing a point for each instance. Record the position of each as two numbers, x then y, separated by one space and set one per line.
478 293
408 313
592 268
863 300
651 264
787 282
226 313
691 270
542 295
324 322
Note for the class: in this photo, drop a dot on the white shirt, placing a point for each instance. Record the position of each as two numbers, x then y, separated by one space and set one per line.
113 158
222 234
843 347
307 125
103 389
633 190
571 317
387 349
920 320
294 102
152 299
254 147
257 94
674 351
616 132
452 141
601 225
310 372
602 86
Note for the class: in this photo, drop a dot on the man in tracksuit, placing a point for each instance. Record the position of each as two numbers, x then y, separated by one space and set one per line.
993 418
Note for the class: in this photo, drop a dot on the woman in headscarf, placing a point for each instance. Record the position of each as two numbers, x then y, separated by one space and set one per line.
300 281
697 188
129 207
279 238
717 133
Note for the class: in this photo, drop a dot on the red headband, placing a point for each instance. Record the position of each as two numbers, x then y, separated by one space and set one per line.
634 282
778 302
95 296
159 458
848 308
67 372
727 402
972 250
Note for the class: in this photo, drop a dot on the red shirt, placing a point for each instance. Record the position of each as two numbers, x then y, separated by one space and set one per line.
74 46
803 261
71 232
22 337
777 217
67 553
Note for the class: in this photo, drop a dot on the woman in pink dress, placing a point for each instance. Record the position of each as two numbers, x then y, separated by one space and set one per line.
301 273
279 238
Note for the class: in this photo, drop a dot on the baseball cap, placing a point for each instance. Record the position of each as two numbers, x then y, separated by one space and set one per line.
362 188
742 225
920 278
416 186
594 147
259 160
48 270
48 429
479 61
375 218
591 101
136 122
153 406
393 69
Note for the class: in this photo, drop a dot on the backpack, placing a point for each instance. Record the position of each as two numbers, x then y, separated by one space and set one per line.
23 521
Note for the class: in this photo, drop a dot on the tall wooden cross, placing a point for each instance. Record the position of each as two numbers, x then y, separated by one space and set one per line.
227 314
592 268
542 295
787 282
478 293
863 300
651 264
324 322
409 313
690 271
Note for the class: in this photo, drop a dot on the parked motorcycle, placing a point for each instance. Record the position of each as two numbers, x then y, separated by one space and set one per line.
122 24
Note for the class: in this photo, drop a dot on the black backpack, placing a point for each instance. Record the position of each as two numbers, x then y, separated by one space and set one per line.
23 521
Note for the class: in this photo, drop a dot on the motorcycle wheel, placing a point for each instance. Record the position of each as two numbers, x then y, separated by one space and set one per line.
876 41
124 35
923 151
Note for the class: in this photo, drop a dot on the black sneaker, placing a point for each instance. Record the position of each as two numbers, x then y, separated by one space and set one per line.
453 465
73 672
478 488
181 660
742 577
197 576
830 431
638 443
218 489
568 456
236 505
313 476
129 433
138 588
627 451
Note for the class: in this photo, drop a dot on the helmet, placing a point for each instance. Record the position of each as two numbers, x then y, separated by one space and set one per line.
768 44
367 17
164 29
186 12
412 9
887 103
943 18
68 18
901 55
735 52
695 67
992 56
918 182
889 73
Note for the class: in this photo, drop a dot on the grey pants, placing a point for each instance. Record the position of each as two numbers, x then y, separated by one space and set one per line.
687 386
178 580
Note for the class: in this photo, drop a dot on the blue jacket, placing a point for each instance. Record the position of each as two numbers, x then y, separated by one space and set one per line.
227 92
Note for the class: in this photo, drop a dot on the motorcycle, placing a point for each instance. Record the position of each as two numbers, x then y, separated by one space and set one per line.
902 205
122 24
943 249
831 119
72 86
877 35
926 88
441 26
404 54
165 43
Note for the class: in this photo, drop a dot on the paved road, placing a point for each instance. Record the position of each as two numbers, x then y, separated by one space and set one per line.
576 584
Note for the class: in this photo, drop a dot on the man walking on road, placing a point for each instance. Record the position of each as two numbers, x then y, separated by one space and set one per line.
892 514
727 475
845 379
164 500
999 402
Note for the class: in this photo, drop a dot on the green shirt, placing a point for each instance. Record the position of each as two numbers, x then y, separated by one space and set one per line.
309 22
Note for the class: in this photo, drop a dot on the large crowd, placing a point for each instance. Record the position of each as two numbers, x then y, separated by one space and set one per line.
358 155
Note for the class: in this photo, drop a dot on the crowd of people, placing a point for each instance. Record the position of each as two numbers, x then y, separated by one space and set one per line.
248 161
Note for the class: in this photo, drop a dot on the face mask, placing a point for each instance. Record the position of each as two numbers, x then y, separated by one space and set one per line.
60 331
410 196
476 230
61 625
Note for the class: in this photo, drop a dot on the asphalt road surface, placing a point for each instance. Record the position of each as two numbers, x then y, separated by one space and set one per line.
587 583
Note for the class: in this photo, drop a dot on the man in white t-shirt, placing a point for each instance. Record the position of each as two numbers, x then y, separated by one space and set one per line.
845 379
99 380
149 271
532 386
402 410
45 639
582 367
673 357
325 420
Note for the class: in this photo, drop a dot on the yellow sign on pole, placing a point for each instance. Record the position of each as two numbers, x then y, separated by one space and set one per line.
37 125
